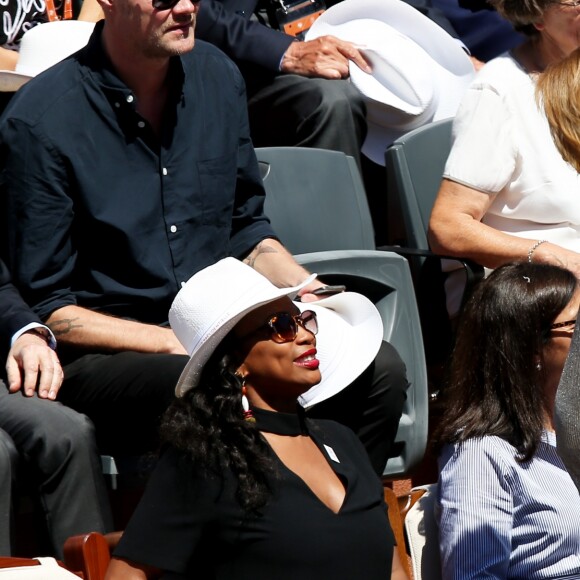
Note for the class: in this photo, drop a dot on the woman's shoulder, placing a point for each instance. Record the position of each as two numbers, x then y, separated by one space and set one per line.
337 436
332 429
501 74
477 451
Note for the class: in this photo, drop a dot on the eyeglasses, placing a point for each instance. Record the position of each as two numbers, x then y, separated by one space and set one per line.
283 326
570 323
167 4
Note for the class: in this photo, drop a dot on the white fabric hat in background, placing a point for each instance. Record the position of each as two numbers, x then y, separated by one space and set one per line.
42 47
420 72
215 299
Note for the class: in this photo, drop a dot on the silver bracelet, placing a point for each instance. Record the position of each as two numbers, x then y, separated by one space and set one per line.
534 248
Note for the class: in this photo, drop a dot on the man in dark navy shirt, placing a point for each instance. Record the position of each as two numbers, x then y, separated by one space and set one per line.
127 168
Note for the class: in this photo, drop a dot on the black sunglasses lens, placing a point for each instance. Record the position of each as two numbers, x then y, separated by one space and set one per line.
164 4
284 327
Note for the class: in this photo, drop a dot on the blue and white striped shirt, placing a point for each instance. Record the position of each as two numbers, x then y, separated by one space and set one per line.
502 519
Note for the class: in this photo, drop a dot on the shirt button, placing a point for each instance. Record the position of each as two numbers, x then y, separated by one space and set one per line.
117 105
130 98
164 171
141 124
173 229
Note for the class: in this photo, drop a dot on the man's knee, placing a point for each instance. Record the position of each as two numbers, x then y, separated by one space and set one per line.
338 98
61 437
8 456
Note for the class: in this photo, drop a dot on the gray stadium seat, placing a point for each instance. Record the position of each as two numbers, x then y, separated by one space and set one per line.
317 205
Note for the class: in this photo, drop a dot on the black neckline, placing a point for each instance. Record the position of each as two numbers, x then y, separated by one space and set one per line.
281 423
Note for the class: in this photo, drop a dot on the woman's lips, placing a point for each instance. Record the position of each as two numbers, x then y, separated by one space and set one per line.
308 360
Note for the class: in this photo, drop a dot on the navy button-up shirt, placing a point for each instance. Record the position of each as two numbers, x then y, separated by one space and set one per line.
103 213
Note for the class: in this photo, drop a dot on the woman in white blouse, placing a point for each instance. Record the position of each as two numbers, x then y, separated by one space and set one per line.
507 507
507 194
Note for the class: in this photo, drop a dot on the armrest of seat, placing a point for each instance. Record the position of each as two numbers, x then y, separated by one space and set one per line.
474 272
396 521
90 553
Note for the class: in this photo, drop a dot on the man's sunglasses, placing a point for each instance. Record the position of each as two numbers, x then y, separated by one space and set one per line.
283 326
167 4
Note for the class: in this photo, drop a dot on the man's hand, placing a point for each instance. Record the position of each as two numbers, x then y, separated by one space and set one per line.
31 363
324 57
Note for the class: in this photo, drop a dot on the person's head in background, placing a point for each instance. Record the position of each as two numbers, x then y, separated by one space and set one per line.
533 17
558 91
552 28
512 341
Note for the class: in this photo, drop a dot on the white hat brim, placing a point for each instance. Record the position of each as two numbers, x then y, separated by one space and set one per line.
421 82
350 332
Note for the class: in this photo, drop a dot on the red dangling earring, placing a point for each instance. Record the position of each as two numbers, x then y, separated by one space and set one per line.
248 415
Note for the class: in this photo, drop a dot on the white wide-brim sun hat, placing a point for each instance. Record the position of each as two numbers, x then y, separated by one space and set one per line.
216 298
419 72
43 46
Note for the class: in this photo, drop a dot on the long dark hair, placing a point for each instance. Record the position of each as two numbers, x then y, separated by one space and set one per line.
208 424
494 386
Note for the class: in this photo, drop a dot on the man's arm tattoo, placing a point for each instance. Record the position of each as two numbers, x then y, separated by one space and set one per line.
64 326
261 248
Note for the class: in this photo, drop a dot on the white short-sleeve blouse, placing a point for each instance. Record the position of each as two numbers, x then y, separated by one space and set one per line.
502 145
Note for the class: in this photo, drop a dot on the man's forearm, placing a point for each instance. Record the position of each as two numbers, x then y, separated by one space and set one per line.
76 326
276 263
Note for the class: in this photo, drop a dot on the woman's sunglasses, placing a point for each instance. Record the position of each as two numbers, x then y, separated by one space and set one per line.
283 326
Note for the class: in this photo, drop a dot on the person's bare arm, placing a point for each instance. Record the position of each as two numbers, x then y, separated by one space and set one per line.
397 570
276 263
123 570
455 229
85 328
325 57
8 59
91 11
32 365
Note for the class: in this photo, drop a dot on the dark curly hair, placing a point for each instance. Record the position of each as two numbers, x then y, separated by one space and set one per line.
208 424
494 387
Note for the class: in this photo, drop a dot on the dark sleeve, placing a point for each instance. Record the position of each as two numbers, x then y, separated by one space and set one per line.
435 14
38 218
243 40
14 313
249 224
166 528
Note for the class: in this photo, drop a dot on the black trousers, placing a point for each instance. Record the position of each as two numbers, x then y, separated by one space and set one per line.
56 448
290 110
126 393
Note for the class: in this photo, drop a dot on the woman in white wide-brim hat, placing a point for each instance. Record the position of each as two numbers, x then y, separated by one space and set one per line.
247 486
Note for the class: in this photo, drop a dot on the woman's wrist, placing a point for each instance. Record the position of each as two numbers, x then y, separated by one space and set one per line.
533 249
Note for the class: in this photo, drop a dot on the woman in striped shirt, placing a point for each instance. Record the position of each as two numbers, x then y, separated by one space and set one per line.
507 507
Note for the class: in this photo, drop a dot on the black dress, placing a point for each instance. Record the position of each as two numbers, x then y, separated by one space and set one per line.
190 525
